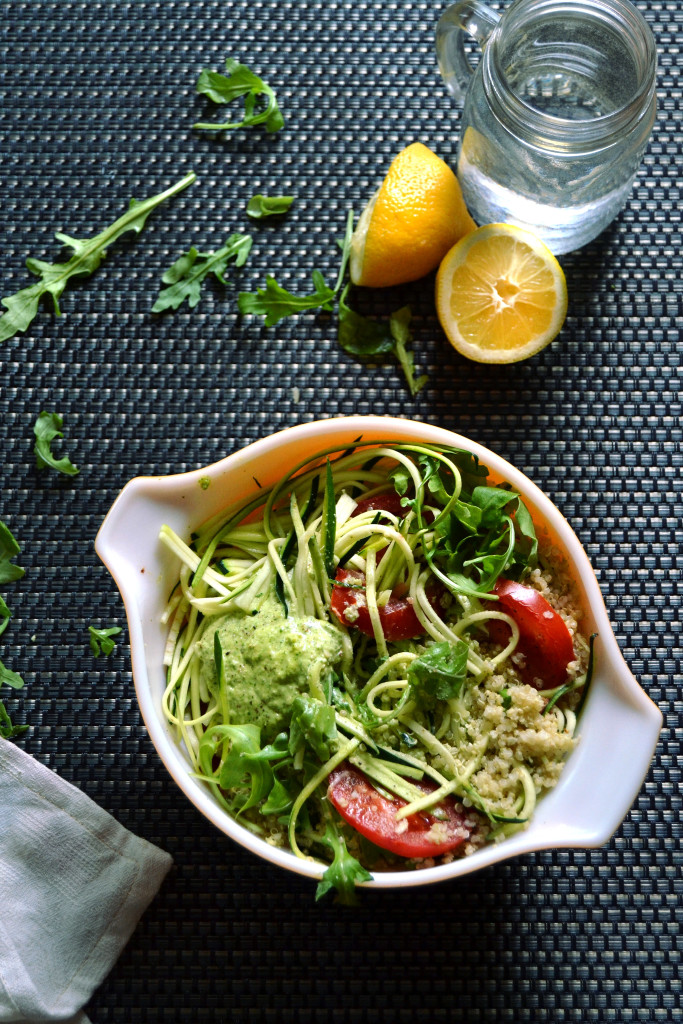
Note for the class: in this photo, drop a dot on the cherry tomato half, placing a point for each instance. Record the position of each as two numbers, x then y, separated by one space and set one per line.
425 834
348 602
544 639
387 502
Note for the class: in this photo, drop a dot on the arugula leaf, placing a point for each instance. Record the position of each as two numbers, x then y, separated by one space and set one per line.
101 640
440 672
491 501
372 339
46 428
7 730
186 276
360 336
240 81
401 479
343 872
357 335
8 549
313 724
245 740
247 760
260 206
9 572
526 542
275 302
280 799
5 615
399 324
88 253
11 678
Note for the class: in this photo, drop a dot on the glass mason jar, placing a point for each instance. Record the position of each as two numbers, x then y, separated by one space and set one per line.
557 113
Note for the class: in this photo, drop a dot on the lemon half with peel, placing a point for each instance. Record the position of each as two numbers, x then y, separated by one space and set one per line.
410 223
501 296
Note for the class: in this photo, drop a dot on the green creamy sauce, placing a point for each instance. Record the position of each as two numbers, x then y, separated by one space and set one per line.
268 660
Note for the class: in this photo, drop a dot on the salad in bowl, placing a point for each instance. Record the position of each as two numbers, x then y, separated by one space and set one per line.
373 652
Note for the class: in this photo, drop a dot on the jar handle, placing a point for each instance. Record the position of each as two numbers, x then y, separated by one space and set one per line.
469 17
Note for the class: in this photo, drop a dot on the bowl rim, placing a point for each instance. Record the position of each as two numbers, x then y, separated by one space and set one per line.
168 488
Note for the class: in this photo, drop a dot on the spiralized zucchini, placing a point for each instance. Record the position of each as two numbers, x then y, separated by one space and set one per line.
444 704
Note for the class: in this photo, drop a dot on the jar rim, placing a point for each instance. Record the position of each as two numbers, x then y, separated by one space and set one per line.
564 133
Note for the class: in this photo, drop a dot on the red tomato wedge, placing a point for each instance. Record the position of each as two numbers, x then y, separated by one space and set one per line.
388 502
425 834
348 602
544 639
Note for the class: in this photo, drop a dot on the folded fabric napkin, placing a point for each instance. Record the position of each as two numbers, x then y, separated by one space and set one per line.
73 885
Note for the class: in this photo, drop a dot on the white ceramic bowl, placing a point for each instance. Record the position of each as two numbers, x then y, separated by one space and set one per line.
619 725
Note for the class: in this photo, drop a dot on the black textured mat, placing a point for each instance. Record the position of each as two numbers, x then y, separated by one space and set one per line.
96 104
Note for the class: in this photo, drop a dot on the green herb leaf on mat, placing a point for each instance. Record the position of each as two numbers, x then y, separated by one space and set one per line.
7 730
8 550
276 303
188 273
46 428
260 103
260 206
359 336
101 639
399 325
88 253
9 572
5 615
374 340
11 678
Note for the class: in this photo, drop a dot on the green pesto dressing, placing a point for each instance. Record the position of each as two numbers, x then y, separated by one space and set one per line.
268 660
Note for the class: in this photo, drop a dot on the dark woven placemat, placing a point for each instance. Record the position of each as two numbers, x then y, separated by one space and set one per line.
96 103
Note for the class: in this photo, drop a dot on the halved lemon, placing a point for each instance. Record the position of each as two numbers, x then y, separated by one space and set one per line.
501 295
410 223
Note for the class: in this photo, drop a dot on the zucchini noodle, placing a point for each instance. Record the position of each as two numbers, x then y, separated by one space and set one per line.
345 621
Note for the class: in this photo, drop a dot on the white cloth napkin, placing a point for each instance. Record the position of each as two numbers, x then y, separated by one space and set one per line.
73 885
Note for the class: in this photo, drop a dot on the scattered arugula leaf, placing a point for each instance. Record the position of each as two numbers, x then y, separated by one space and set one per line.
240 81
374 340
357 335
46 428
11 678
88 253
399 325
5 615
8 550
9 573
186 276
260 206
275 302
7 730
101 639
360 336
